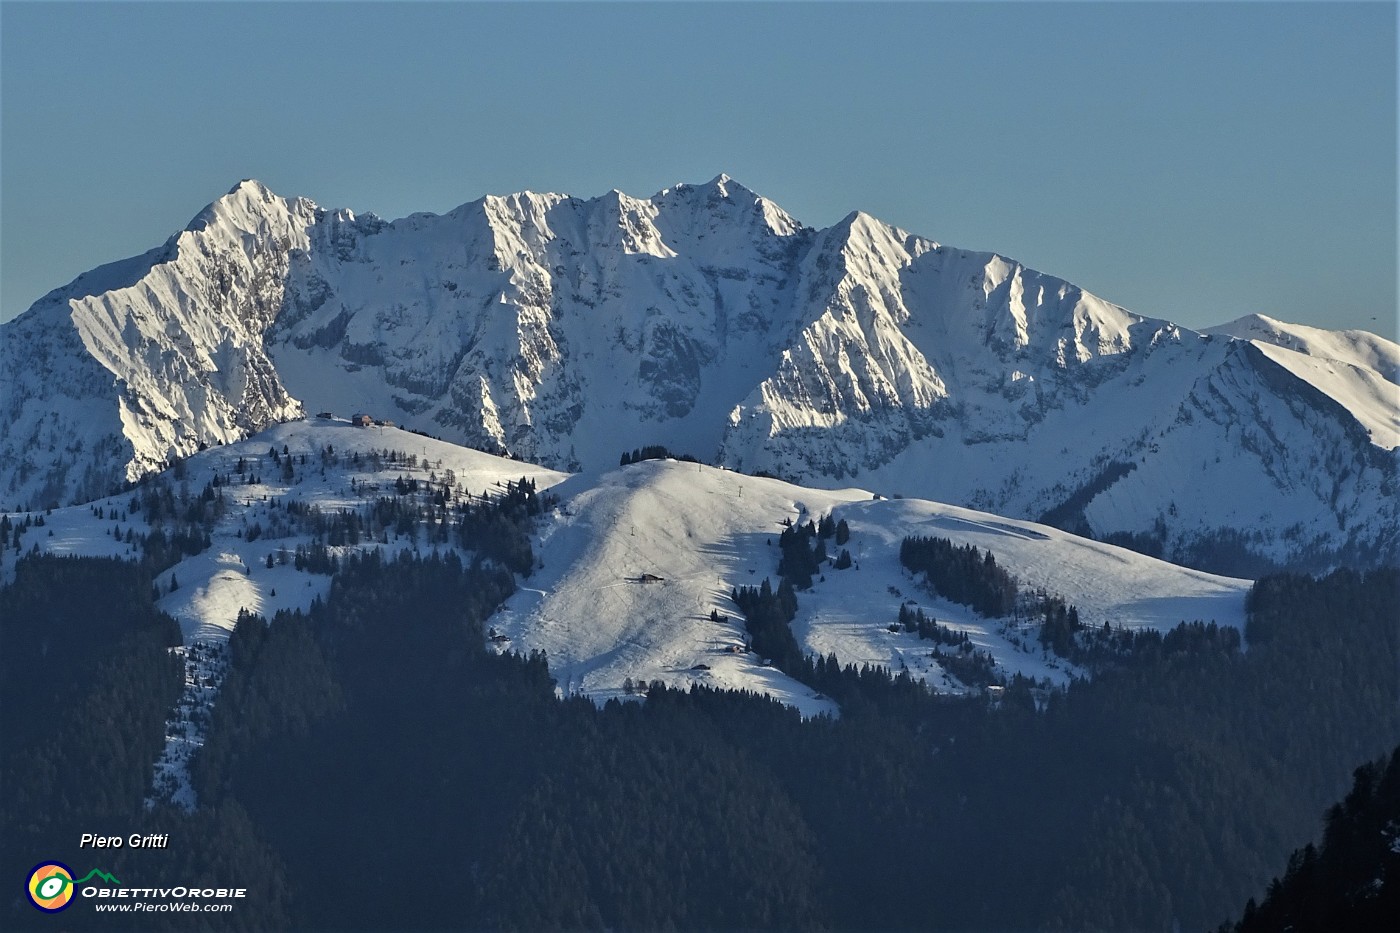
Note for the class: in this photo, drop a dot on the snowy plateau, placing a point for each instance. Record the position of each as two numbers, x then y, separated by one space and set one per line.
564 331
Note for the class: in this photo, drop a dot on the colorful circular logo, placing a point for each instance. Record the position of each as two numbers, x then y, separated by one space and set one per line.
50 886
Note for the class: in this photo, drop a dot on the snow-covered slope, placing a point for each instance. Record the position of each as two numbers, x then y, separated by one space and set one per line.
702 530
706 319
1356 368
705 531
232 574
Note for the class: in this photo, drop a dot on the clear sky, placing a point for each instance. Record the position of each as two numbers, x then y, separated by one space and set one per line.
1190 161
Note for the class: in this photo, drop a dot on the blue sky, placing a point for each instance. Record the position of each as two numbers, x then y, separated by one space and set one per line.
1189 161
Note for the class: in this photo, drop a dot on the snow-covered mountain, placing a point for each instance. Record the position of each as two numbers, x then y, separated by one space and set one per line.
143 361
703 531
707 319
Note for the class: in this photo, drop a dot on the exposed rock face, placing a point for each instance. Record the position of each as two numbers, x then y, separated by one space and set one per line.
141 361
707 319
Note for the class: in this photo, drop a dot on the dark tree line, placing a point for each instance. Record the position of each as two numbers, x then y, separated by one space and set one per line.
961 573
499 528
653 452
84 652
803 552
1350 882
913 620
767 617
87 682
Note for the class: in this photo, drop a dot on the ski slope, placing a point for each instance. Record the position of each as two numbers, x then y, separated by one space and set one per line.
705 531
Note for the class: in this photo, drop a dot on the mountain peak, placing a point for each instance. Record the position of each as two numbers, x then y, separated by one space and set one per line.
245 203
251 186
250 207
871 232
727 187
722 184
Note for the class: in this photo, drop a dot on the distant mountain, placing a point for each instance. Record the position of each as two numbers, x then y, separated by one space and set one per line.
707 319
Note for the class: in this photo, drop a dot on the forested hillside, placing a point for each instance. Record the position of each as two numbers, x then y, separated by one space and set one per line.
376 732
1352 880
